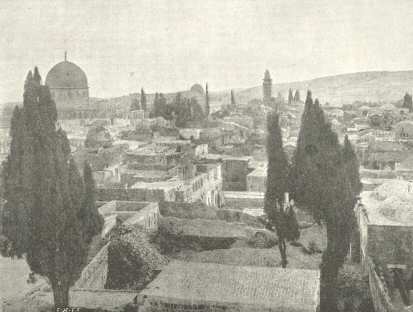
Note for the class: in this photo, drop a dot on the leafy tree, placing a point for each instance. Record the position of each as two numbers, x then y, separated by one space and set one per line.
407 102
290 96
297 96
277 174
207 108
233 101
143 100
43 217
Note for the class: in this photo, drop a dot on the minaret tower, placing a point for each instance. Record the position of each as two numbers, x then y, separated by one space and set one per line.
266 88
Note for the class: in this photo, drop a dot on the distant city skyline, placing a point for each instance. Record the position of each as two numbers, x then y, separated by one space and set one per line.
168 46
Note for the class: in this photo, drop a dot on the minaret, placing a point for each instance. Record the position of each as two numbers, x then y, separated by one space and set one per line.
266 88
65 56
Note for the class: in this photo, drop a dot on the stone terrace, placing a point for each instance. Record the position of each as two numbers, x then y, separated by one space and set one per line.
195 286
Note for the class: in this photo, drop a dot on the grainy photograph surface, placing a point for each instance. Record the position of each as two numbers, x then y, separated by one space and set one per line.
206 156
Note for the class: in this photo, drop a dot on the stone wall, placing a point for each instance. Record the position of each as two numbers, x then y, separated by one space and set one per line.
243 201
94 274
105 194
381 300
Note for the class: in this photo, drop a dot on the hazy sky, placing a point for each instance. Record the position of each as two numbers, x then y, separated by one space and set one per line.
169 45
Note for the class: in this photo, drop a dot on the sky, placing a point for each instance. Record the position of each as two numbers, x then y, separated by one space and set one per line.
165 45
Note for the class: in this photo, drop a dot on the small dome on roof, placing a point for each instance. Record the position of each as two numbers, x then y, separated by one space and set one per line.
66 75
197 88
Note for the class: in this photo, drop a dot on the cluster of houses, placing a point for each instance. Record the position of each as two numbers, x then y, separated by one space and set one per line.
140 163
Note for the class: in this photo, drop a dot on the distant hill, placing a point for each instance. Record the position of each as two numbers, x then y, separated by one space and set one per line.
377 86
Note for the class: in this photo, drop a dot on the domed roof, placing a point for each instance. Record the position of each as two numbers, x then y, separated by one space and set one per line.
197 88
66 75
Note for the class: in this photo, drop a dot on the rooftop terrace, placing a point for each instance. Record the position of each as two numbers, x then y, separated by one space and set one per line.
254 288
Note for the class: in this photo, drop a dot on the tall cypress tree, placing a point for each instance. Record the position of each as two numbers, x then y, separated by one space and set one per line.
155 107
143 100
352 166
290 96
325 186
43 189
277 175
93 221
207 108
337 202
233 101
408 102
297 96
305 177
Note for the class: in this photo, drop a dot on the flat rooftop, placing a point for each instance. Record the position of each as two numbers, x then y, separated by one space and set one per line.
261 288
243 195
386 212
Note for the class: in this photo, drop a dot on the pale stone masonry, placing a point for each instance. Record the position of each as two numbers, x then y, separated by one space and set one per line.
189 286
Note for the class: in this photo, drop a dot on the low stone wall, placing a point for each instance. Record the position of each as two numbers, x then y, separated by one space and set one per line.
105 194
104 299
381 300
94 274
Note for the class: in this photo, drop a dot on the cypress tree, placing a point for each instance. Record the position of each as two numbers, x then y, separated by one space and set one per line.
277 175
143 100
297 96
43 190
305 176
337 202
324 185
352 167
290 96
233 101
207 108
93 220
408 102
155 107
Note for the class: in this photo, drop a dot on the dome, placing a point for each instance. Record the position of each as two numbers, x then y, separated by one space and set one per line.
66 75
197 88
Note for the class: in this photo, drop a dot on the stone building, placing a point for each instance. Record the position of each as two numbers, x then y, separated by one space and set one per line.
386 229
69 88
268 99
190 287
257 180
267 88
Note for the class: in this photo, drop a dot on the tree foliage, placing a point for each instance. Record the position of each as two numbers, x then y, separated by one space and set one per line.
407 102
325 180
207 108
44 218
143 100
233 100
290 96
297 96
134 104
277 175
